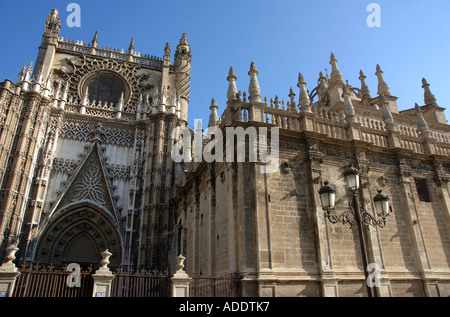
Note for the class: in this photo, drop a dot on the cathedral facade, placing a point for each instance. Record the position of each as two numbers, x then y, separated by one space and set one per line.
85 157
86 164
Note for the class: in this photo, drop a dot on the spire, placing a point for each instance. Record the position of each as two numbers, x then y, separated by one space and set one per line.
232 89
277 102
167 51
29 72
131 48
213 117
49 82
304 99
22 73
167 55
52 24
253 88
365 92
383 87
349 110
95 39
183 40
183 46
429 98
336 75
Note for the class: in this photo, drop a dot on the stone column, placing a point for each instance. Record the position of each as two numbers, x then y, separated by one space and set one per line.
8 273
103 277
328 279
180 280
415 228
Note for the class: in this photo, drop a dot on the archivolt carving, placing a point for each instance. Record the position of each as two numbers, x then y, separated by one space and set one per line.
71 222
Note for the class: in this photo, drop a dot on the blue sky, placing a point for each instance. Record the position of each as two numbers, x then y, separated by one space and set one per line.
282 37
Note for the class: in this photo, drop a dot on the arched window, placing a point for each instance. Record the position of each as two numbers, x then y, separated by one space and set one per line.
105 87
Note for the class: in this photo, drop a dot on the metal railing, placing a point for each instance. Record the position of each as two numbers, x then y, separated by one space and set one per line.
50 282
128 283
205 286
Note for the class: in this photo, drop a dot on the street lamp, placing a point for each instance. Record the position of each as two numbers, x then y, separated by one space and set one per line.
381 203
327 196
356 213
351 175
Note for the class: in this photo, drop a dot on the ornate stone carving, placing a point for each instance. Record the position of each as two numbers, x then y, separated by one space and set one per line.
285 167
90 65
84 132
89 185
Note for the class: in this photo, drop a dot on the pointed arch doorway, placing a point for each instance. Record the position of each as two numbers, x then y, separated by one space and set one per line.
78 233
82 250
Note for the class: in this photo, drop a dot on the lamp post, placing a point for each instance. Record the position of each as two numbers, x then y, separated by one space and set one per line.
354 213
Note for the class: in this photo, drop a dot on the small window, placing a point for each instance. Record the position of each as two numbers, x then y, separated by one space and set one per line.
422 190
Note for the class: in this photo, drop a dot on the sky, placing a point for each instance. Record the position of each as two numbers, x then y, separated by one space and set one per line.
281 37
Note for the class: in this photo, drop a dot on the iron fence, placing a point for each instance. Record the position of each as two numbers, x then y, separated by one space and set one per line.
40 281
224 286
129 283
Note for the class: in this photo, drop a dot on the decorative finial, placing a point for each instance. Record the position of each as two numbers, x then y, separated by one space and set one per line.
417 107
11 251
231 72
22 73
29 71
167 54
95 39
253 88
365 92
232 89
304 99
105 259
349 110
213 117
387 115
336 75
383 87
52 24
167 49
183 40
292 104
131 47
429 98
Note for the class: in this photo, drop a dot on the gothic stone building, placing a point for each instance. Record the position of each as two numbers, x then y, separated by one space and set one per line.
86 165
85 162
271 227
